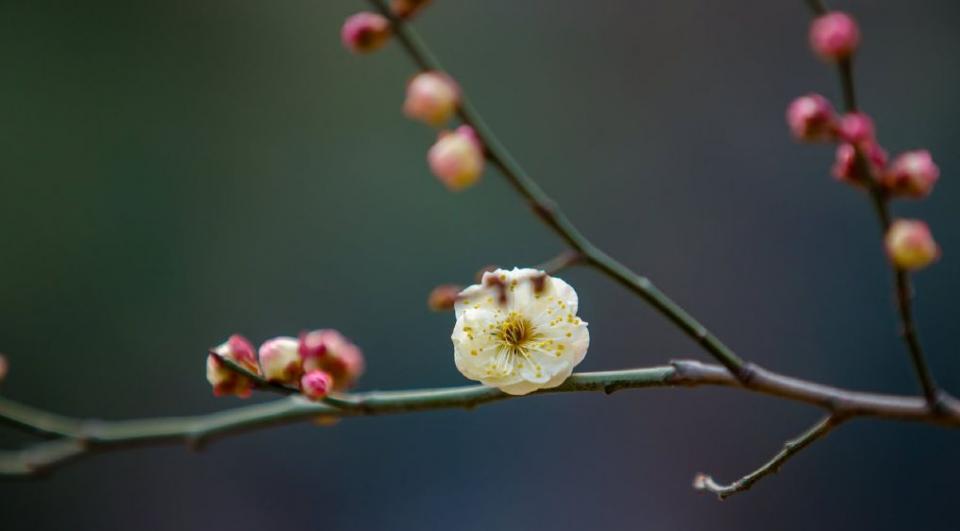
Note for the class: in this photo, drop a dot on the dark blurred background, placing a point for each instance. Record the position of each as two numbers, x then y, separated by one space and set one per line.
176 171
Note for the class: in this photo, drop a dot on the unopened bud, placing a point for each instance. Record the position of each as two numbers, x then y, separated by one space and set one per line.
432 98
226 381
280 360
910 245
316 384
856 128
912 174
457 158
846 169
365 32
4 367
443 297
811 118
834 36
329 351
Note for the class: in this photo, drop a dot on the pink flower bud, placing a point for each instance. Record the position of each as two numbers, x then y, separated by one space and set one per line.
329 351
226 381
432 98
457 158
910 245
811 118
443 297
365 32
280 360
845 168
407 8
856 128
912 174
316 384
834 36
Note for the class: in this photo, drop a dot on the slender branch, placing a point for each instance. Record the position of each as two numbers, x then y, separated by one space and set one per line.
560 262
790 448
881 205
80 437
549 212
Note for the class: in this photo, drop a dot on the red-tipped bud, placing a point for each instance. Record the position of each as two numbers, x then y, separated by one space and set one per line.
226 381
834 36
365 32
407 8
457 158
912 174
856 128
280 360
847 170
443 297
432 98
329 351
910 245
811 118
316 384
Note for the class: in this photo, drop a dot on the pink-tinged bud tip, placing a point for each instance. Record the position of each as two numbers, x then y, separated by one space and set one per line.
457 158
432 98
316 344
443 297
280 359
365 32
912 174
856 128
811 118
316 384
329 351
910 245
834 36
846 169
224 380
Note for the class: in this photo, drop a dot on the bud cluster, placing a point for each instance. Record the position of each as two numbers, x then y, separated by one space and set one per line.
860 159
315 363
434 98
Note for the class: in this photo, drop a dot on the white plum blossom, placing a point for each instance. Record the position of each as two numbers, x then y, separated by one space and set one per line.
518 330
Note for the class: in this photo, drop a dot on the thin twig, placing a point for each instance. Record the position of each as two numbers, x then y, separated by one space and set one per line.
80 437
549 212
560 262
790 448
881 205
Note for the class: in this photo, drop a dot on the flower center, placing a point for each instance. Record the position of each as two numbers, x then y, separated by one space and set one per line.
515 333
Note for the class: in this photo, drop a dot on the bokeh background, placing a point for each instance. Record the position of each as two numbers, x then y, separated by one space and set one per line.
176 171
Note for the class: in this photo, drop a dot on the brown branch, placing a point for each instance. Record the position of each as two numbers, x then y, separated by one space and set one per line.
790 448
77 438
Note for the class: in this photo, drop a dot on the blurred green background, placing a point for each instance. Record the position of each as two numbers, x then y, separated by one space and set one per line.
173 172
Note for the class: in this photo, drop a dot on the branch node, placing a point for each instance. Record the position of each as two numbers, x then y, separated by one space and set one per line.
747 373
